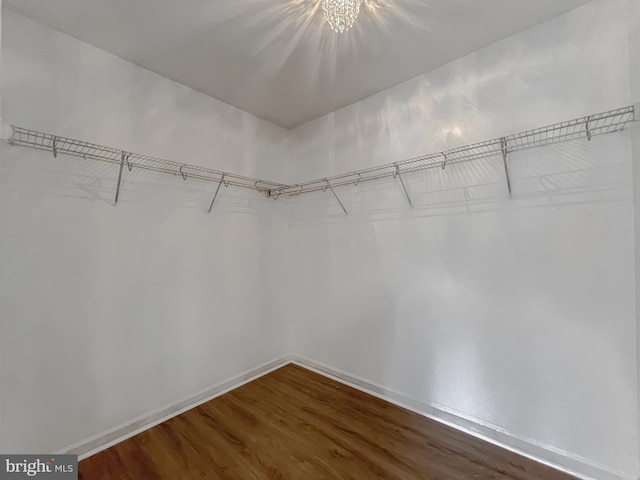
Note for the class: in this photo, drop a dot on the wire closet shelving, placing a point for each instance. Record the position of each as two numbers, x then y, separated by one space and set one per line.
90 151
581 128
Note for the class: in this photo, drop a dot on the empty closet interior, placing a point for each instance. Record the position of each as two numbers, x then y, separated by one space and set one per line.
460 241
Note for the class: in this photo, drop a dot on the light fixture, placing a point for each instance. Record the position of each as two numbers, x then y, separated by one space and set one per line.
341 14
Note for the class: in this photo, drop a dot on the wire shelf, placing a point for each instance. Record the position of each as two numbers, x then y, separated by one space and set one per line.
585 127
90 151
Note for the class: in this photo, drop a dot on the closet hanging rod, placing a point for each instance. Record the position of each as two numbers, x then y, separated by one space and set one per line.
77 148
585 127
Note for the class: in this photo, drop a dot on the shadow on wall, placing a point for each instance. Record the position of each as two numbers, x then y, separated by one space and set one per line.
556 176
134 303
30 171
571 173
480 279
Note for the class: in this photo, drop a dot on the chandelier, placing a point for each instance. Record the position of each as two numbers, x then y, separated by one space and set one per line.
341 14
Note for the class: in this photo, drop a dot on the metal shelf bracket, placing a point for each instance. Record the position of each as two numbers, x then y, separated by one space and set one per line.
217 191
123 159
334 194
404 188
503 147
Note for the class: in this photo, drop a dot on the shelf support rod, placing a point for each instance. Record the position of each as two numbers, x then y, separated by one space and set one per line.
338 199
503 147
124 156
406 193
217 191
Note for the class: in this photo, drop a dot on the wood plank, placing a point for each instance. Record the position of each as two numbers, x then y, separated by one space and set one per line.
295 424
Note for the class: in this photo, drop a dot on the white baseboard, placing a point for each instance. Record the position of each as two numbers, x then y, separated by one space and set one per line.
103 440
578 466
573 464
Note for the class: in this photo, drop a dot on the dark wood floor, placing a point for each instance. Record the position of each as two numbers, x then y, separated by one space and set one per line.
298 425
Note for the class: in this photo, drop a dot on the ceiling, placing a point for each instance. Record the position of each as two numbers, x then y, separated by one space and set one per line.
277 59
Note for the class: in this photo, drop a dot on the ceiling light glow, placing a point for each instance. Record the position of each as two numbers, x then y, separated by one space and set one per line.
341 14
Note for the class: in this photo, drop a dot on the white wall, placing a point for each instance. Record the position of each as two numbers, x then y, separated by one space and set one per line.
518 314
634 56
110 312
1 356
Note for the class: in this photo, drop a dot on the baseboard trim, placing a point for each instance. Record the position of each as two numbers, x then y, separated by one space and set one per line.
573 464
570 463
103 440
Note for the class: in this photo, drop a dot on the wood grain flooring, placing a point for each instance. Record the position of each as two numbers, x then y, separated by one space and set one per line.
297 425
